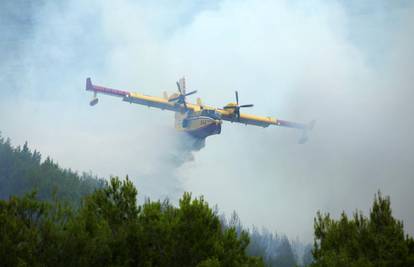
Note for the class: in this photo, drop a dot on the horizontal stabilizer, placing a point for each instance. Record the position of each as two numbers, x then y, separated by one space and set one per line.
304 138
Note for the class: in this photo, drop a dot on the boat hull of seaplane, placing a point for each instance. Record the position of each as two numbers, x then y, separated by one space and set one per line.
203 127
199 127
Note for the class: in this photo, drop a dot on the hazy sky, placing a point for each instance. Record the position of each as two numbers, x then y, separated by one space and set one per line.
347 64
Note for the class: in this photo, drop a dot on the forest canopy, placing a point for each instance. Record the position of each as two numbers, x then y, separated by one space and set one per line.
53 216
22 171
50 216
377 240
110 229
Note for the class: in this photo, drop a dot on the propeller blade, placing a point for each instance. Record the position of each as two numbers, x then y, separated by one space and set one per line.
173 99
238 114
246 106
179 87
191 93
237 98
185 105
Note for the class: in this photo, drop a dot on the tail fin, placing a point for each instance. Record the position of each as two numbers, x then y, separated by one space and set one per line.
89 86
304 137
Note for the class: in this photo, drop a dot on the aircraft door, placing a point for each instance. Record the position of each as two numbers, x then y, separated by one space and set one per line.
185 123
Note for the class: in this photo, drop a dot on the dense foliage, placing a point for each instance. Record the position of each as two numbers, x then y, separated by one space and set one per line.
73 220
22 171
378 240
110 229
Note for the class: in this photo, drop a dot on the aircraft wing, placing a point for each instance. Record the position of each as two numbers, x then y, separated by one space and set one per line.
258 120
246 118
132 97
262 121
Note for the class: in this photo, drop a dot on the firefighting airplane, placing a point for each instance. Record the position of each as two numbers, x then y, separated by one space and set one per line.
198 120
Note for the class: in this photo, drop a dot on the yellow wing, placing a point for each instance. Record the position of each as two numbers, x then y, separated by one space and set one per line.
262 121
228 115
152 101
132 97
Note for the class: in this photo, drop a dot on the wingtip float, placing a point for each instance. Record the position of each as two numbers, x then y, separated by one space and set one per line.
198 120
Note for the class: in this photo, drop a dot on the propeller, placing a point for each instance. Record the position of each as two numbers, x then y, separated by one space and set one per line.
237 107
181 97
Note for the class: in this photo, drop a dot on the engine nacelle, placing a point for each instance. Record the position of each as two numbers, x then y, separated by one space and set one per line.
94 102
230 107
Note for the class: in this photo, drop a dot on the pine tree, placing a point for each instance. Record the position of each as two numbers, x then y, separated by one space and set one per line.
375 241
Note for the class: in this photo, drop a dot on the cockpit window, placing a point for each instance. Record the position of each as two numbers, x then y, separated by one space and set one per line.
210 113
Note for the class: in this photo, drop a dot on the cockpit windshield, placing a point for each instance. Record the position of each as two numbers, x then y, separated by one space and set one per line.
211 113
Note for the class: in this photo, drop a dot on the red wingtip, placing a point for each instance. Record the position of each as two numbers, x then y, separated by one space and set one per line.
89 86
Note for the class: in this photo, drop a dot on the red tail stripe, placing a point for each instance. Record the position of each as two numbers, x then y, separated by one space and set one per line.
104 90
